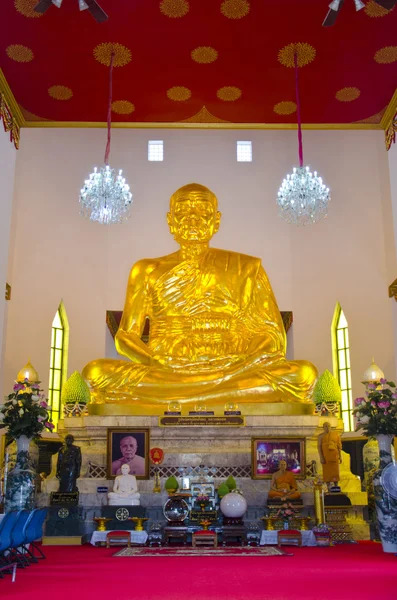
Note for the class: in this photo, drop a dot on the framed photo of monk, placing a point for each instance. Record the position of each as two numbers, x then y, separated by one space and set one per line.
128 445
268 452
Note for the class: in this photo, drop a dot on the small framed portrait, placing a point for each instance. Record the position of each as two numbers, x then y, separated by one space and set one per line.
267 453
128 445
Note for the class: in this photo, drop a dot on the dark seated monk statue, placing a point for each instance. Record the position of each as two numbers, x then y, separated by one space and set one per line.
283 487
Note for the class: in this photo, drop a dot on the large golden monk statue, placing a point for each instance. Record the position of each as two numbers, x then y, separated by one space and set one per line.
216 333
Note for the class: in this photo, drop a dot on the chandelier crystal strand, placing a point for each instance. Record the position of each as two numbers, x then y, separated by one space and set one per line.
106 197
302 198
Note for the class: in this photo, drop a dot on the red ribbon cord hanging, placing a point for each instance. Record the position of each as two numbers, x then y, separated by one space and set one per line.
298 110
107 151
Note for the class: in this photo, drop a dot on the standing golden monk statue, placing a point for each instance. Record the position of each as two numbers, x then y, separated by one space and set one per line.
216 333
329 447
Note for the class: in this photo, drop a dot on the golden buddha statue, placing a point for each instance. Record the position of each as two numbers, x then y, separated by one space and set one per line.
216 333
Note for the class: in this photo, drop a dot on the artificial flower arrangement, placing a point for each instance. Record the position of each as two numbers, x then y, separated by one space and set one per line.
377 412
286 511
25 411
201 499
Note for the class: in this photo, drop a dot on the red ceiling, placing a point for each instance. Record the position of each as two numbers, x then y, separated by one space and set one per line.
63 40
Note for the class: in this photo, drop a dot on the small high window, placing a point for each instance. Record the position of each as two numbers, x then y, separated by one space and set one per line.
156 150
244 151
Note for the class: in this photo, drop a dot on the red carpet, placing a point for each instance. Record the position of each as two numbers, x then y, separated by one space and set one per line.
345 572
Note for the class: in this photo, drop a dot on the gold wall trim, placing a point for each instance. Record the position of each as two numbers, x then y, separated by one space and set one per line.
184 125
10 99
389 122
393 290
10 113
389 112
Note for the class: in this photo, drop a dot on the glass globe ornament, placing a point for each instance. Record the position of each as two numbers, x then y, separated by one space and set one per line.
303 198
106 197
233 505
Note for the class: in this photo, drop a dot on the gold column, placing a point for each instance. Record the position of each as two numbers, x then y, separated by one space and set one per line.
319 503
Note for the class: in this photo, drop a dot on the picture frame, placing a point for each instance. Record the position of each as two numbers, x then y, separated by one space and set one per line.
266 452
134 451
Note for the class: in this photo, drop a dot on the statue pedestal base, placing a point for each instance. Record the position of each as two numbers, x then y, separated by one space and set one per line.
188 407
225 448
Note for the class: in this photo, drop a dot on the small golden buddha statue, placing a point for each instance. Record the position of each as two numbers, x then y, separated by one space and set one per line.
216 333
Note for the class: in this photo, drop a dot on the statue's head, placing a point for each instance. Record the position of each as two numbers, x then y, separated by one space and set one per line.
125 469
128 447
194 215
282 465
327 426
69 439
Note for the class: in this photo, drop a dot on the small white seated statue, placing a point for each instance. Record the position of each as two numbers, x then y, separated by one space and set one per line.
125 489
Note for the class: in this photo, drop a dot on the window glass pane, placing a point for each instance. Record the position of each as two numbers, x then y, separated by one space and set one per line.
346 420
57 321
342 320
348 360
58 359
342 380
244 151
349 379
55 400
347 338
52 337
340 339
58 338
57 380
156 150
345 401
342 359
52 355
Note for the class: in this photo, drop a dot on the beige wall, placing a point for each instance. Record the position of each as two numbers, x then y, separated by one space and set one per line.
350 257
7 171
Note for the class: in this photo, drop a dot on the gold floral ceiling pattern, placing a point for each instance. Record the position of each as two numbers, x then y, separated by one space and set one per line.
285 108
175 60
348 94
204 55
122 107
19 53
60 92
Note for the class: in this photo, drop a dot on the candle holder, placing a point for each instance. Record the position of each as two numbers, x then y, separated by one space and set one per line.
101 523
138 522
304 523
269 523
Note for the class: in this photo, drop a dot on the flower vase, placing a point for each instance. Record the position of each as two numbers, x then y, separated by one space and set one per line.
386 506
286 525
21 480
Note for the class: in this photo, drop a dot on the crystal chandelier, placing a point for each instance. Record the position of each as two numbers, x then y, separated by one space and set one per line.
106 197
91 5
302 197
